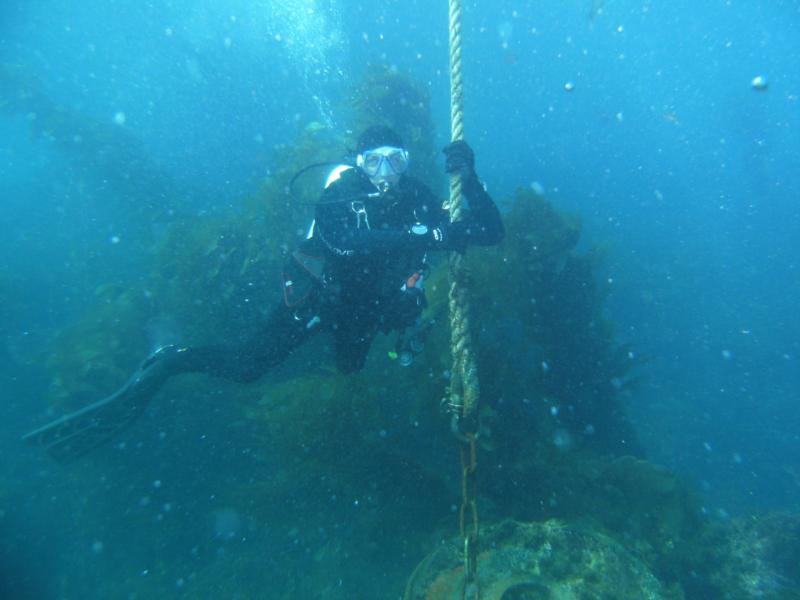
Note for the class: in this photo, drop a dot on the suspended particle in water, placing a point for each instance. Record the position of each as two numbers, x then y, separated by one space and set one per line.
505 32
562 439
119 118
569 86
97 547
226 524
759 83
726 354
537 188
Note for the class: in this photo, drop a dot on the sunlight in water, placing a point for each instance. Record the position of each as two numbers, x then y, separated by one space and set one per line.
311 33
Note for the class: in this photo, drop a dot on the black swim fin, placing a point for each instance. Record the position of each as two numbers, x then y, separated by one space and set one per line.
75 434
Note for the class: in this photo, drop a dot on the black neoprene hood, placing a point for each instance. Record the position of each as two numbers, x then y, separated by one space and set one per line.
377 136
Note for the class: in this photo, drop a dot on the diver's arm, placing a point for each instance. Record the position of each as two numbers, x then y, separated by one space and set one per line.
344 239
482 225
350 241
345 230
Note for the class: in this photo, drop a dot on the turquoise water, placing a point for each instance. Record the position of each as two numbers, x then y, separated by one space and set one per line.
119 119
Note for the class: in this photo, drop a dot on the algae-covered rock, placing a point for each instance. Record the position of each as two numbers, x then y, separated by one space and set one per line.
649 510
546 561
651 506
758 557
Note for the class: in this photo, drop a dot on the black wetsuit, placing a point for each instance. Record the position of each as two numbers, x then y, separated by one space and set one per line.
357 274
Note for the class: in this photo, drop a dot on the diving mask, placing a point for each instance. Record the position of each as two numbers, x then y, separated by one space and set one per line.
383 165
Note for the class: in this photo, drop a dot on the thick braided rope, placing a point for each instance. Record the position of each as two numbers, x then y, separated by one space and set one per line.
464 385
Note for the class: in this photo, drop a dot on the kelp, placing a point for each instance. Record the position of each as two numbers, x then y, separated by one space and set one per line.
548 359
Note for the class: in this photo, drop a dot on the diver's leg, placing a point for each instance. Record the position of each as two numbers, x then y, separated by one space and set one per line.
284 331
351 341
77 433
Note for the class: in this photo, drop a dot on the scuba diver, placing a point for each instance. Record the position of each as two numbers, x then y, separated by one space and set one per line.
360 271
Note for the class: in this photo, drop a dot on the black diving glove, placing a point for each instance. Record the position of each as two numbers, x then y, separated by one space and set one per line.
447 236
459 159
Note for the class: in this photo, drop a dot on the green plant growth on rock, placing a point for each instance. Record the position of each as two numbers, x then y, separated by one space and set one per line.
749 557
542 561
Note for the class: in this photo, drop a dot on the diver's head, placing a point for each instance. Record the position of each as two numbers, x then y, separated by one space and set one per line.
381 156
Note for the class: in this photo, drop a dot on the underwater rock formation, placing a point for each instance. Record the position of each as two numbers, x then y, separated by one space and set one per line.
755 556
545 561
